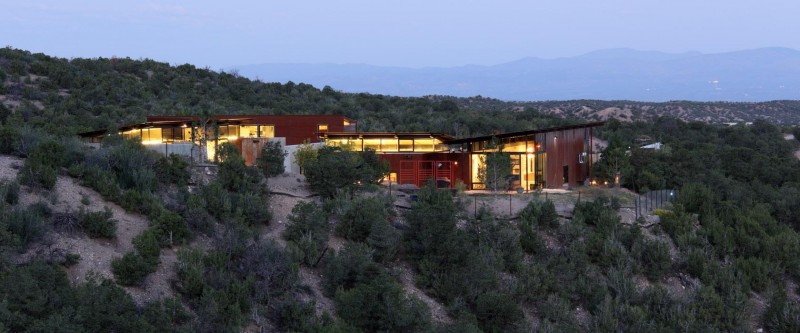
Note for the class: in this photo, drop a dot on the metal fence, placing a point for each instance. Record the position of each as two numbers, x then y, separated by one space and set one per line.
647 202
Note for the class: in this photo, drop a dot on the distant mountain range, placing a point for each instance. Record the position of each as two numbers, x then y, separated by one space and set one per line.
615 74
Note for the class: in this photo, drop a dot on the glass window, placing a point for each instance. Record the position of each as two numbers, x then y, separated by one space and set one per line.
248 131
439 146
187 133
423 145
322 128
151 136
135 133
389 145
406 145
267 131
372 144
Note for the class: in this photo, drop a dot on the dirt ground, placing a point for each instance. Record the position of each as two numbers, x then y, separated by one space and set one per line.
95 254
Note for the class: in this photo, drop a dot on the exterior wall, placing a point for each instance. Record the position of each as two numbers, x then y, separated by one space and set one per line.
295 128
456 167
289 162
563 149
251 148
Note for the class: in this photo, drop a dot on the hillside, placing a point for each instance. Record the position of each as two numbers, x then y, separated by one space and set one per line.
230 248
615 74
70 96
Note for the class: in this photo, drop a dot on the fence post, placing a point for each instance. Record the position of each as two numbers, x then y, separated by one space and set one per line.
476 206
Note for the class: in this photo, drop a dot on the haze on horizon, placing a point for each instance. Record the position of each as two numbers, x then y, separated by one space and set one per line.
413 33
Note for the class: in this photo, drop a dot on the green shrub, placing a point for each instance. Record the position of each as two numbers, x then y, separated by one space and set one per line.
147 246
9 192
384 241
198 217
254 209
654 258
497 312
99 224
782 315
396 313
217 200
104 183
356 223
26 224
173 169
539 213
131 269
353 265
190 270
141 202
170 228
308 228
758 274
35 173
271 159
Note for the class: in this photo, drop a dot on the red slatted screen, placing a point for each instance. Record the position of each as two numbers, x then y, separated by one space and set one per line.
408 172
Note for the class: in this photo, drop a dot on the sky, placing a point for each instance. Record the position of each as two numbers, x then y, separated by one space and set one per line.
408 33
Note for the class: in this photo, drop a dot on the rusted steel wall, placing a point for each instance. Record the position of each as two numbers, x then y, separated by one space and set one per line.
563 149
416 168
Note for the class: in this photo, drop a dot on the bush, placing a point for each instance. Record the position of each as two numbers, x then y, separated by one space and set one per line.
539 213
173 170
9 192
271 159
198 217
36 173
141 202
99 224
654 258
131 269
147 246
171 228
396 311
758 274
497 312
352 266
308 228
254 209
782 315
26 224
356 223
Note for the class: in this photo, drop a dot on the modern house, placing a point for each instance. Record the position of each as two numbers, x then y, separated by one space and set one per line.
541 158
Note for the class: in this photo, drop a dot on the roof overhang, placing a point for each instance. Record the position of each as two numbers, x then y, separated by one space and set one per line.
526 133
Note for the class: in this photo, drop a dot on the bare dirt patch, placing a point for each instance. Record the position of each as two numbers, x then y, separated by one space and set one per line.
96 255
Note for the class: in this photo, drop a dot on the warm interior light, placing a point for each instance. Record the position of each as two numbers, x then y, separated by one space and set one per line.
183 126
151 142
530 150
232 138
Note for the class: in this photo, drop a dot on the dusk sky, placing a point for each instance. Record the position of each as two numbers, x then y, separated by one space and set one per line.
410 33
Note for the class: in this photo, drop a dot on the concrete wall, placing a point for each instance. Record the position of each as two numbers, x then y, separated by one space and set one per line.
289 163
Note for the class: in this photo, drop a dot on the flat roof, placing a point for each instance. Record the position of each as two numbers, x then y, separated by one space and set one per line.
382 135
525 133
